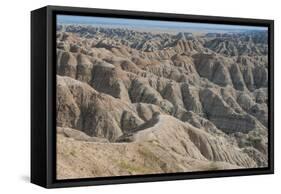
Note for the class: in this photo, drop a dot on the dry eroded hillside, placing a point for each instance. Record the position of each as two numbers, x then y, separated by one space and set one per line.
131 102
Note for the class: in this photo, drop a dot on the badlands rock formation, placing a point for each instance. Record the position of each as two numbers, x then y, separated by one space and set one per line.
131 102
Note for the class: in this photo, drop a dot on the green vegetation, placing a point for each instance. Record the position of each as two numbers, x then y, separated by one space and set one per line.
133 168
213 166
255 140
151 159
72 152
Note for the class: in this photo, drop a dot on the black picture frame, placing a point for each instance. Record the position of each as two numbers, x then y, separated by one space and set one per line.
43 96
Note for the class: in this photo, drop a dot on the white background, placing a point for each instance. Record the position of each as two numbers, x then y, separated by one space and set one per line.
15 94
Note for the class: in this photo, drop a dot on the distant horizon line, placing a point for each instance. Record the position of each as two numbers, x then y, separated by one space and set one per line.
156 24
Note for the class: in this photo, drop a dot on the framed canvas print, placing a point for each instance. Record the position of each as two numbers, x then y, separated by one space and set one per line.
125 96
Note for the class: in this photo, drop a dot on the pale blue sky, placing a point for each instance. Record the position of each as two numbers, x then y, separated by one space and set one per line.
157 24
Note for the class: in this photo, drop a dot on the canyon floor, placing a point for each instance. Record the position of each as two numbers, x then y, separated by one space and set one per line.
132 102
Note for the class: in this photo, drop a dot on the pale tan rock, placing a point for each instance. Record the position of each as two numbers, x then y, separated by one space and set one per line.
134 102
